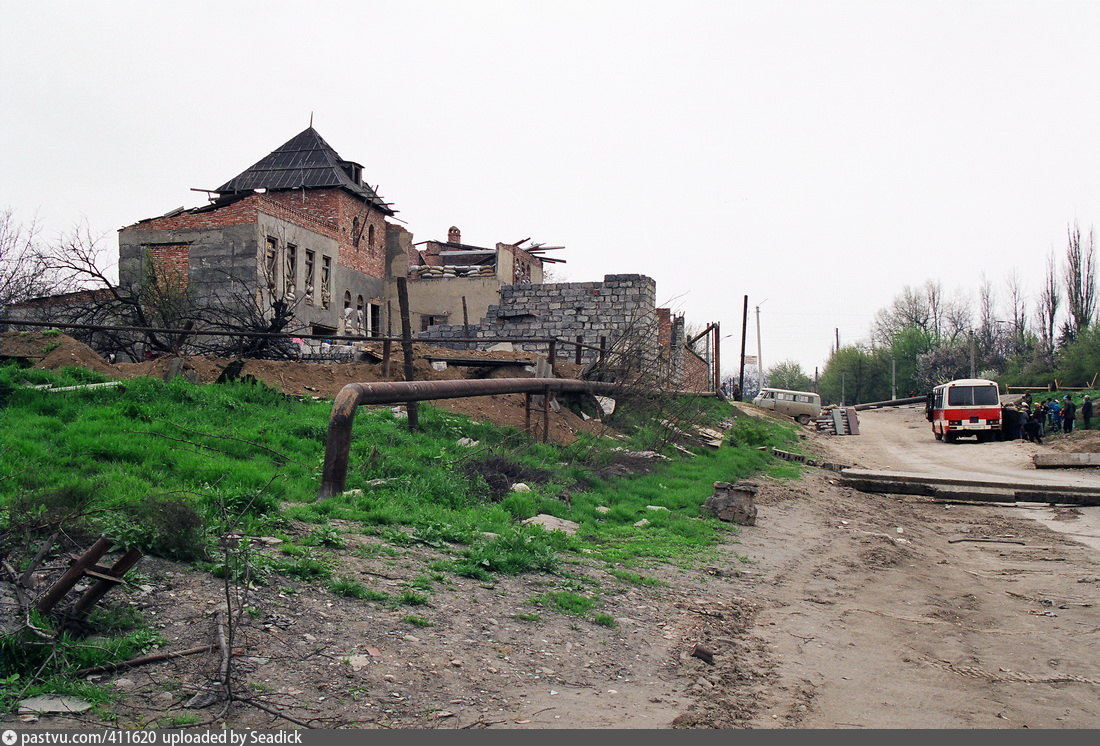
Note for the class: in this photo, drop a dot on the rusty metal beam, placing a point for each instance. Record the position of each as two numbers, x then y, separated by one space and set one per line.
354 395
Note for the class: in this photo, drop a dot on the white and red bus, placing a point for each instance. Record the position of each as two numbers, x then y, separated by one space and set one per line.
968 406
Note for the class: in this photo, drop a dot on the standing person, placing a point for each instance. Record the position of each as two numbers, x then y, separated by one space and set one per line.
1086 411
1034 425
1069 414
1055 416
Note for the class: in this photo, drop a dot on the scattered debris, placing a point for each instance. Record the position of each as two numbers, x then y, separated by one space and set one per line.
788 456
642 523
703 653
46 704
520 487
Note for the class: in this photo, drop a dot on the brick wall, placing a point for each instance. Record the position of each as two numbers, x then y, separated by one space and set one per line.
172 263
696 372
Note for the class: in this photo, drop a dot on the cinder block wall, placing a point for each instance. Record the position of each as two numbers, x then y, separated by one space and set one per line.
620 306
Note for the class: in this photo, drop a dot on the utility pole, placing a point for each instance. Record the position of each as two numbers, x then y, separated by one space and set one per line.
973 372
837 339
717 357
759 355
744 325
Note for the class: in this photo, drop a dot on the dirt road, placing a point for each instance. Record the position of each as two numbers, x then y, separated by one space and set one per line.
884 611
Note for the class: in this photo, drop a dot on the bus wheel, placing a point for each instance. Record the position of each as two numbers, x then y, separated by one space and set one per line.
939 436
803 419
949 437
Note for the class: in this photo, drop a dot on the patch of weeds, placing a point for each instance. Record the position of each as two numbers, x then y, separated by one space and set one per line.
635 579
422 582
411 598
186 718
168 527
351 589
518 550
499 474
417 621
606 620
303 568
566 602
326 536
530 616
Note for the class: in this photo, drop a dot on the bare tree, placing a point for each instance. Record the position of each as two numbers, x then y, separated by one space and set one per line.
22 273
1047 312
1080 280
1017 313
910 308
157 299
937 310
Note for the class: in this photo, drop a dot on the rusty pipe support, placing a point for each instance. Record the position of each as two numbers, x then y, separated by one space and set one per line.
354 395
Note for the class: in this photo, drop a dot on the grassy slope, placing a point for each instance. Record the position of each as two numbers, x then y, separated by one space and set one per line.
164 466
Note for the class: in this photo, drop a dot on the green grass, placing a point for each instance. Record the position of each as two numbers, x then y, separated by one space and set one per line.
566 602
417 621
605 620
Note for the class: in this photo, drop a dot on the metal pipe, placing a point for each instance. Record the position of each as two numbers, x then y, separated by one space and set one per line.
352 396
268 335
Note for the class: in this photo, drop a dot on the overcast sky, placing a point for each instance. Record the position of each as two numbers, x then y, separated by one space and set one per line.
815 156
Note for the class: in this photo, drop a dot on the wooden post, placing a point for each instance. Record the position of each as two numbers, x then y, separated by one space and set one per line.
552 353
603 351
741 370
527 413
101 586
407 348
65 583
387 351
546 415
577 355
465 324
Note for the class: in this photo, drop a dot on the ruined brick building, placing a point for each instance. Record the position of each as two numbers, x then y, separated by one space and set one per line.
302 231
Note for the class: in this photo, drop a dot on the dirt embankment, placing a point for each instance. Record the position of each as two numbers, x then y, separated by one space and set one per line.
323 380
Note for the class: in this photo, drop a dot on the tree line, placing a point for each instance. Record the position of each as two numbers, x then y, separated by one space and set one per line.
925 337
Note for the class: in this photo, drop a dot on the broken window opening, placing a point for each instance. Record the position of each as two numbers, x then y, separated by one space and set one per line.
270 259
290 272
310 257
326 281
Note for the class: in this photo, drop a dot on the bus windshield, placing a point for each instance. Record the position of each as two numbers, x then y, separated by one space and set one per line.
972 396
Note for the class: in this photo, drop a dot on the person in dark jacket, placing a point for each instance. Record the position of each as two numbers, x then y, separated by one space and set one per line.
1069 414
1086 411
1034 426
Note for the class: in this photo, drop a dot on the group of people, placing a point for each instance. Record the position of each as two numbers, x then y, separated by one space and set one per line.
1033 421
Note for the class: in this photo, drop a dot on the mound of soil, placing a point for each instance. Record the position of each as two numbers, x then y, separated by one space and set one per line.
52 351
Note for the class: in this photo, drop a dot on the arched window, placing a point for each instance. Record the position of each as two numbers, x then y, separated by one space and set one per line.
348 317
370 237
355 231
360 321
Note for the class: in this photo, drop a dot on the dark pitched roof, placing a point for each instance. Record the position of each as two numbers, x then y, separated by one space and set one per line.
306 160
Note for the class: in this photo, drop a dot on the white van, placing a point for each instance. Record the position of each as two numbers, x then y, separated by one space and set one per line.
801 405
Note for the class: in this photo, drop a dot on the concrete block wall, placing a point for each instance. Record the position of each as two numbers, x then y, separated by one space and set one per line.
621 308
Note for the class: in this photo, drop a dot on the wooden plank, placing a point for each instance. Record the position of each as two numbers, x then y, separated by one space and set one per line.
474 362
